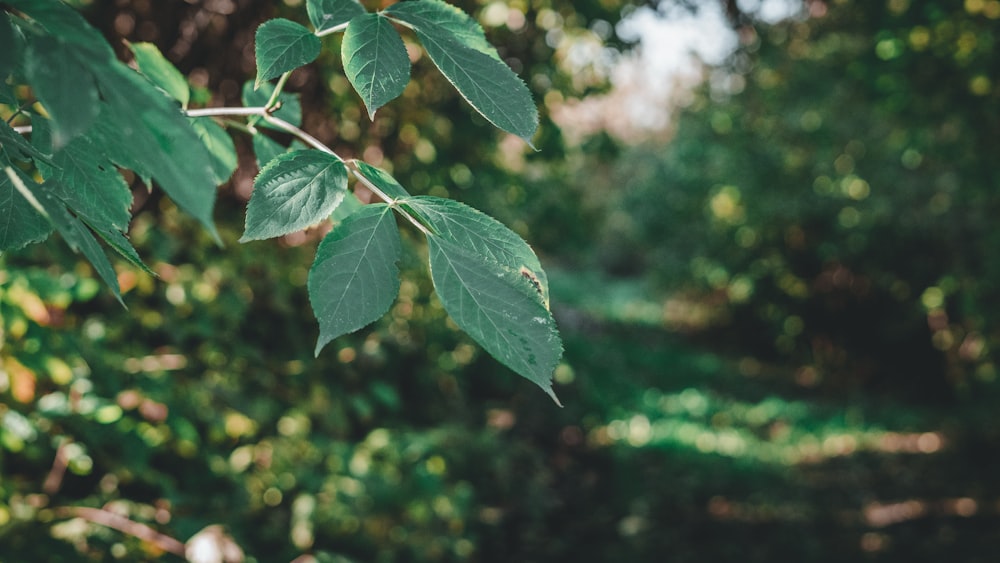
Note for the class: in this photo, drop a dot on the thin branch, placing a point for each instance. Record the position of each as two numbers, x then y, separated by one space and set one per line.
332 30
302 135
312 142
385 197
18 112
124 525
272 104
218 112
277 90
260 112
239 126
53 481
405 24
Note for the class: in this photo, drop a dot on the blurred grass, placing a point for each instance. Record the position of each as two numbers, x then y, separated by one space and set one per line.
721 458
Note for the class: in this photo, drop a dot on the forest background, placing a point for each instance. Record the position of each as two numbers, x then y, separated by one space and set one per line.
778 308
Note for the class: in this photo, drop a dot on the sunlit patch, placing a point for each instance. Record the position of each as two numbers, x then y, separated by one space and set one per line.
238 425
500 419
435 465
932 298
346 355
724 509
980 85
155 363
632 525
639 431
872 542
965 507
772 431
880 515
726 205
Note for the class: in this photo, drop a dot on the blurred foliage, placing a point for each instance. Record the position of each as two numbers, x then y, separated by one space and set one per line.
832 192
818 227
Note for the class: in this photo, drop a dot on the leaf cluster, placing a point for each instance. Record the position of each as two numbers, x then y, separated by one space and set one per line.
96 116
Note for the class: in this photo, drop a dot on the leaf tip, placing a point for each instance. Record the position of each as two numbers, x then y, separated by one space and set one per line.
548 391
214 233
321 343
527 139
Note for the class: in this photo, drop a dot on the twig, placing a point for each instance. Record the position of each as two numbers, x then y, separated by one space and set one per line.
332 30
302 135
124 525
55 477
218 112
385 197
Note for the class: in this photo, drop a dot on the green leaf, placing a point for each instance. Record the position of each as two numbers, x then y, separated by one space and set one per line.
16 147
122 246
382 180
489 85
290 110
77 235
86 181
442 19
161 72
11 46
348 207
484 235
221 150
266 149
283 45
327 14
64 85
20 223
375 60
491 304
294 191
7 95
354 278
68 27
82 240
142 129
108 134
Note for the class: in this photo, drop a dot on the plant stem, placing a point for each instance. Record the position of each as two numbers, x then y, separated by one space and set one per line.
302 135
407 25
332 30
239 125
277 90
124 525
312 142
385 197
219 112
